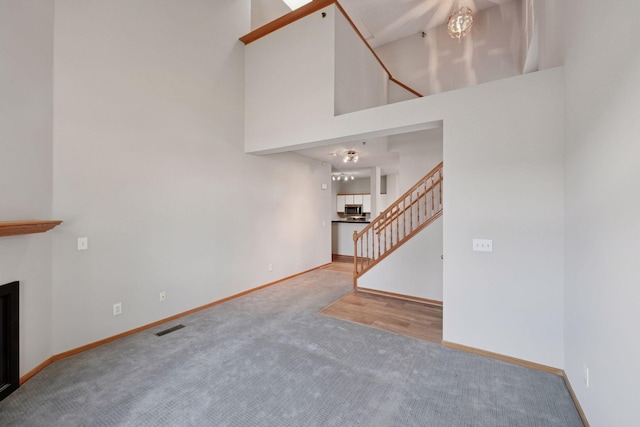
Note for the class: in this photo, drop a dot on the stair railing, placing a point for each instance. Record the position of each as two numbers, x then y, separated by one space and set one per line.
413 211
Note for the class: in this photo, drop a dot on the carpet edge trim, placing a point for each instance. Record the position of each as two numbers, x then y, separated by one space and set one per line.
567 383
527 364
504 358
26 377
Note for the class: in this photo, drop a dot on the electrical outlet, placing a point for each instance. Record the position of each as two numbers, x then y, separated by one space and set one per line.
585 375
117 308
83 243
270 267
483 245
163 296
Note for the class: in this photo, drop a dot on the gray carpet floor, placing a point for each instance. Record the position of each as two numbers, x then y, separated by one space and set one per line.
270 359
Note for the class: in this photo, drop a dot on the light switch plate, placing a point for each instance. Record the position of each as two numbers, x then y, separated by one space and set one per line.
483 245
83 243
324 187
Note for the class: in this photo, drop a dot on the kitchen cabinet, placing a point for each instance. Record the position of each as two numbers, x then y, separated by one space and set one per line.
353 199
366 203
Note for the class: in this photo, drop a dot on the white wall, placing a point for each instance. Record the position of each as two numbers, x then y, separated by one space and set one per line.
414 269
149 164
26 61
436 63
503 181
396 93
355 186
392 192
360 80
419 152
342 238
334 200
552 25
602 224
295 84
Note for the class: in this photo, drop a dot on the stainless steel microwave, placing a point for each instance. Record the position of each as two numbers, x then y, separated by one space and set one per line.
353 210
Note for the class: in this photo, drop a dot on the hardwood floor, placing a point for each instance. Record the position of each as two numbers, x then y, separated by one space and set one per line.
342 258
409 318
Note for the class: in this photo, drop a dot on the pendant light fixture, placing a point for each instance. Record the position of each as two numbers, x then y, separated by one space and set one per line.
460 22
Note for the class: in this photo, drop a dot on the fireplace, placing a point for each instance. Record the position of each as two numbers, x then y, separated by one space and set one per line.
9 342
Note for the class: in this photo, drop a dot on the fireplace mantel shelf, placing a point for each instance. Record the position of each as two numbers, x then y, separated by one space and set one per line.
14 228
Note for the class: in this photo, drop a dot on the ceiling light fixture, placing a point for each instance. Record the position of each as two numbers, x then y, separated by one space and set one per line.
342 177
351 156
460 23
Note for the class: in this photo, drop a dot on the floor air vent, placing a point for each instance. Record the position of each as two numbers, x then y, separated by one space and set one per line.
168 331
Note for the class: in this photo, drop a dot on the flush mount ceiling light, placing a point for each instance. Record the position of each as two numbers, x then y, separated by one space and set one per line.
294 4
341 177
460 23
351 156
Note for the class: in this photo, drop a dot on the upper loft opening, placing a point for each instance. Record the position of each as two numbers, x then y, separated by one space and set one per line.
312 78
411 40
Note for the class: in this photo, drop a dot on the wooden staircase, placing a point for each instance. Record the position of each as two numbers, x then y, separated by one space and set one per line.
413 211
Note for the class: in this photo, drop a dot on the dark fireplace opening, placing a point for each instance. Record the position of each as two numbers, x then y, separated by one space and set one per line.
9 339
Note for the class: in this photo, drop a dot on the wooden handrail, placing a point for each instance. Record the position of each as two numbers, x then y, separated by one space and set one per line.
375 55
405 87
406 194
285 20
364 40
381 223
308 9
409 214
